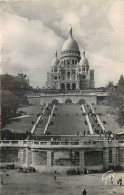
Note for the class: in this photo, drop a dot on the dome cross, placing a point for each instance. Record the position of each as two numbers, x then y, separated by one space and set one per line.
70 31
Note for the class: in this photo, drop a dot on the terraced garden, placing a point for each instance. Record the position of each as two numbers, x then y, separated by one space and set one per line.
68 120
25 122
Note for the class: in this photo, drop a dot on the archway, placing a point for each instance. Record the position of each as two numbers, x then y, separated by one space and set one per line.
68 86
73 86
55 101
81 101
62 86
68 101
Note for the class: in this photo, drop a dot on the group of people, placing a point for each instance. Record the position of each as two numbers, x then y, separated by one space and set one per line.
65 142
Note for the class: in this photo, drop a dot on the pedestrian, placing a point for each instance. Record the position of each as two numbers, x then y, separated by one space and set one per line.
84 192
55 177
112 179
120 181
1 181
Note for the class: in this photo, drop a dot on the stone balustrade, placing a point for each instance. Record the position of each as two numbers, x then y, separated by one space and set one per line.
31 143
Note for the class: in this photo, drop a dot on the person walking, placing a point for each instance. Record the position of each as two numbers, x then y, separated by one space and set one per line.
112 179
84 192
120 181
1 181
55 177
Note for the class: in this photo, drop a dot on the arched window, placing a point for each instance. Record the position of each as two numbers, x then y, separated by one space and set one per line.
63 77
75 61
72 61
68 75
67 62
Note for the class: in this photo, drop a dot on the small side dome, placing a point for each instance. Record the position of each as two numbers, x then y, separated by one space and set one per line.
55 61
84 60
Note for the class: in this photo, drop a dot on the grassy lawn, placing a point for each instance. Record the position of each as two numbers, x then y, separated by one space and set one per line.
111 124
21 125
32 109
68 125
38 183
100 108
66 122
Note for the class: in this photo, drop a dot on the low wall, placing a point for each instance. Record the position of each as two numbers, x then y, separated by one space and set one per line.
44 99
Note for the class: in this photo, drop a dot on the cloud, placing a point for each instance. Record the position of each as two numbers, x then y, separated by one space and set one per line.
31 32
29 46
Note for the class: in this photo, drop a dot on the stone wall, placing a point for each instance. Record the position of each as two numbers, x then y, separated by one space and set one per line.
121 156
9 155
66 158
39 158
93 158
41 100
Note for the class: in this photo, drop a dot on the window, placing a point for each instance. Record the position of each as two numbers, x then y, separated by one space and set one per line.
55 69
55 78
68 75
83 69
67 61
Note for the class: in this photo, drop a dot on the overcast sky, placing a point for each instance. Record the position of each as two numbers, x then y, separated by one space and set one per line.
32 31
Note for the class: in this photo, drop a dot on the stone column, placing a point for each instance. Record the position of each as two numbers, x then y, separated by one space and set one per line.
65 86
21 156
82 160
106 158
33 157
28 157
49 159
77 85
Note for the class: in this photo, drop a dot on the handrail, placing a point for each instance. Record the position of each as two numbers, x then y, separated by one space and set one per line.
75 142
46 127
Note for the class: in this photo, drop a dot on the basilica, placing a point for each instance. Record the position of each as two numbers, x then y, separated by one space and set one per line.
72 70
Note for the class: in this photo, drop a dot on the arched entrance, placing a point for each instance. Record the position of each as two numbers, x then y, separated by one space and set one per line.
68 101
81 101
73 86
62 86
55 101
68 86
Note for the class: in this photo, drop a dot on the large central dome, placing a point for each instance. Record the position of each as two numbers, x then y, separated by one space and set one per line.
70 43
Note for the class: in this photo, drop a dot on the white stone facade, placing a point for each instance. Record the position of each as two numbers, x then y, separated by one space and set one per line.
71 71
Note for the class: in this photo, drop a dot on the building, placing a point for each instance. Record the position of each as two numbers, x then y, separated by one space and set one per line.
72 70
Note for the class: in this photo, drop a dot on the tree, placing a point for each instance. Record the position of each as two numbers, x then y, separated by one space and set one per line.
110 85
116 101
121 84
9 105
